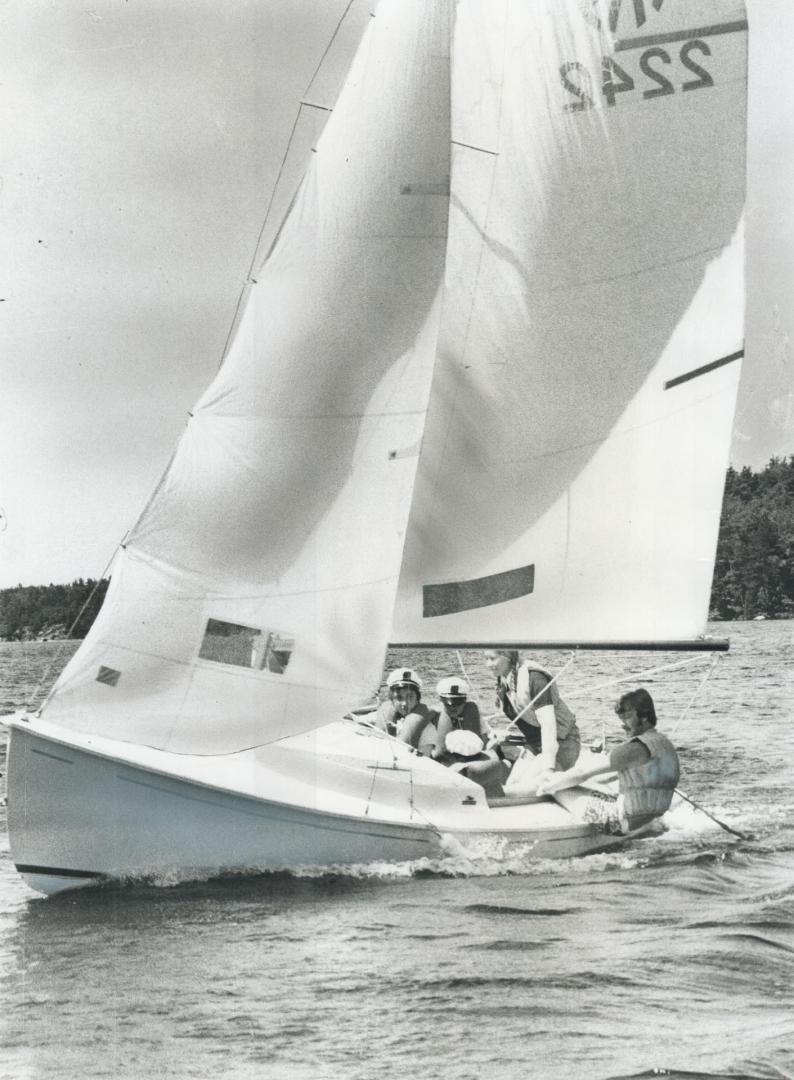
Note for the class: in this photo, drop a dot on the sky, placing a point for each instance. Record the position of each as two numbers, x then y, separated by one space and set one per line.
136 160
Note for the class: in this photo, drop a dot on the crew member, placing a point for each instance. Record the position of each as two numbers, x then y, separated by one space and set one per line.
463 736
647 765
547 726
404 715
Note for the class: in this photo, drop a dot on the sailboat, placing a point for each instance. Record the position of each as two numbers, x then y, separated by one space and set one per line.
479 394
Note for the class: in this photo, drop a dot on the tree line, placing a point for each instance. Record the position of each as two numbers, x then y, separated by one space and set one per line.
753 574
42 612
754 570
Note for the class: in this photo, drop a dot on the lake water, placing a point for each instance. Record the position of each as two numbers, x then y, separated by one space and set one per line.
674 957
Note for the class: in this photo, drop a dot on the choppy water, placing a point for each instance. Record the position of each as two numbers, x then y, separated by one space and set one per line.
674 957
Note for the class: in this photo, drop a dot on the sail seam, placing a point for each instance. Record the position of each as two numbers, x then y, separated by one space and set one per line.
650 268
218 665
573 447
142 555
317 416
304 592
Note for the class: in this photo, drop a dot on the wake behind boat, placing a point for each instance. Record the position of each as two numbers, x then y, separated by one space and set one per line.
480 394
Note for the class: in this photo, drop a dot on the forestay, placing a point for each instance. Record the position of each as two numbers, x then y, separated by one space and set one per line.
574 458
253 598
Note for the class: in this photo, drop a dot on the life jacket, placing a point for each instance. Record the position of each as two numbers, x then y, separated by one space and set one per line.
647 790
528 722
469 720
427 736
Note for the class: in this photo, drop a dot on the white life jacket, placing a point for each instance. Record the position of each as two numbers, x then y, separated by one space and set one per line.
647 790
566 720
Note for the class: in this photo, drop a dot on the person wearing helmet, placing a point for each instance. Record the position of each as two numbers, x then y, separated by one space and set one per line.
457 714
404 715
463 736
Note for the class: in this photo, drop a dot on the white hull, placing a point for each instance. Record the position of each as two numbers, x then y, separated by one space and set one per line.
81 814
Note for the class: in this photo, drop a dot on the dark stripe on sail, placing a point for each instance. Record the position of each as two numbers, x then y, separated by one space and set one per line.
56 871
680 35
453 596
704 370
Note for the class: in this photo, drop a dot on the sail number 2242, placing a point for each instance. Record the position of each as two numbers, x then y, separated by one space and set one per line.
659 74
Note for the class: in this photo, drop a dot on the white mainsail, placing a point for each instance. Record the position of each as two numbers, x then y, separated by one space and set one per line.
574 447
573 462
253 598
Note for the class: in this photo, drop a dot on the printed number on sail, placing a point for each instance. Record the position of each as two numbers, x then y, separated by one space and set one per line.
615 79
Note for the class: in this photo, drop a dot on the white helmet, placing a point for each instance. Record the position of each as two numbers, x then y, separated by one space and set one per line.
404 677
452 687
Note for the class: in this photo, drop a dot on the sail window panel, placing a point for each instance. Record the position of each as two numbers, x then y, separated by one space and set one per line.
277 654
230 643
245 646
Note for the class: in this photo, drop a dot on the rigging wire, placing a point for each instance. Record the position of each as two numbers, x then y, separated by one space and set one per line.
709 672
463 667
540 693
415 809
633 677
59 651
371 788
249 278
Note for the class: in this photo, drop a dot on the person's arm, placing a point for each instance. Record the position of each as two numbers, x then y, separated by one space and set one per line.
559 781
627 756
443 729
483 728
547 719
533 685
523 694
414 727
411 729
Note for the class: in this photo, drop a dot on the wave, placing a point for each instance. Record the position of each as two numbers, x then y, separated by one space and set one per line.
500 909
522 865
582 980
686 1074
638 855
